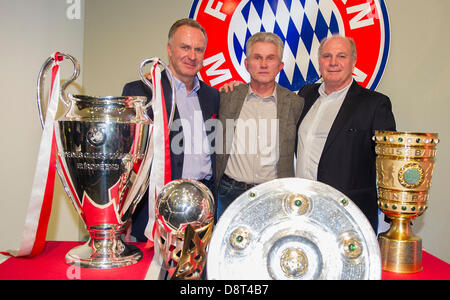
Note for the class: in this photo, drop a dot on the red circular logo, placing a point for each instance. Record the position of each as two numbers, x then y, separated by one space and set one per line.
301 24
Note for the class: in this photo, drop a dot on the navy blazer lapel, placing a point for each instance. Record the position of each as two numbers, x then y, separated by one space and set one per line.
239 97
204 104
167 91
310 94
310 98
283 107
344 115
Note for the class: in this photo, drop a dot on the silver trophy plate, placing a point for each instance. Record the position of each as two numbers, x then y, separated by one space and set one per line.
293 228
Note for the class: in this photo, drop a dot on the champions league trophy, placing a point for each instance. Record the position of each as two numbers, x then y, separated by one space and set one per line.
185 219
405 164
104 158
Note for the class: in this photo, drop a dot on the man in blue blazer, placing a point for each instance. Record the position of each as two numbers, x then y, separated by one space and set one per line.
197 105
335 129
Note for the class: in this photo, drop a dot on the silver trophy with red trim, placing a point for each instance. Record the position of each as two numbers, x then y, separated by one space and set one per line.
104 157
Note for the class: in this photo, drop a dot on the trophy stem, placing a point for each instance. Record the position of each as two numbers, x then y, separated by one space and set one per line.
401 250
104 250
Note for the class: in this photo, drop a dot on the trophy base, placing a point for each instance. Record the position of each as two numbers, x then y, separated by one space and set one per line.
401 256
104 254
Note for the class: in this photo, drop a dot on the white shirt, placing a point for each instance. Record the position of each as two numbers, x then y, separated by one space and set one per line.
254 152
314 129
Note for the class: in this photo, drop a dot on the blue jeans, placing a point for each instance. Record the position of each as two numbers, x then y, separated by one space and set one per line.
227 193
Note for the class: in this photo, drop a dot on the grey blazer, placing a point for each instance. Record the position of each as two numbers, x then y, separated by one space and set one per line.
289 109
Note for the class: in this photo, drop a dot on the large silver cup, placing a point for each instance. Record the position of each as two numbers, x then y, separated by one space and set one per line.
104 160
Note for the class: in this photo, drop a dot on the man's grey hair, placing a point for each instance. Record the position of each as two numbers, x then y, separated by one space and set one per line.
188 22
265 37
349 39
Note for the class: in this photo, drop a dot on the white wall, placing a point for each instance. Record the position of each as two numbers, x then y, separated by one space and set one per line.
119 34
30 31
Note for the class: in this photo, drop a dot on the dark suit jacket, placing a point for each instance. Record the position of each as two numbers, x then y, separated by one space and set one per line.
348 158
209 104
289 108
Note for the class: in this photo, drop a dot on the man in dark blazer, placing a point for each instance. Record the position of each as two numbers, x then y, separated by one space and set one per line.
343 158
262 100
186 48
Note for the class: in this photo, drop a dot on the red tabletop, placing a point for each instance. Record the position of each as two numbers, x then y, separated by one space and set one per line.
432 269
51 265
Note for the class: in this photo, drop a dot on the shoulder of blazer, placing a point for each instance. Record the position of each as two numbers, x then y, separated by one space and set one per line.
239 90
364 95
209 94
204 86
309 91
136 88
208 89
284 92
231 102
296 102
287 93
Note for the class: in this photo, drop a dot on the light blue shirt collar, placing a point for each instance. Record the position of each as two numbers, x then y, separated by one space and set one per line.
179 85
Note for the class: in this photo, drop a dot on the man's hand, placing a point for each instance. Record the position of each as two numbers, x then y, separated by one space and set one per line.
229 87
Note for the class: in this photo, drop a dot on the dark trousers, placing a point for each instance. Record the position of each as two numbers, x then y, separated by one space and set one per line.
228 191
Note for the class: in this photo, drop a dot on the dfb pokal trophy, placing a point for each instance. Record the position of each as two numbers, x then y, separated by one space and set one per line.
404 165
104 156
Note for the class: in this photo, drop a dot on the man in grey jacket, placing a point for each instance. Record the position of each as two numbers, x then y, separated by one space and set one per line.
258 122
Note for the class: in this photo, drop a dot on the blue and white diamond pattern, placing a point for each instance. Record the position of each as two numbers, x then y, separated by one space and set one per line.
301 24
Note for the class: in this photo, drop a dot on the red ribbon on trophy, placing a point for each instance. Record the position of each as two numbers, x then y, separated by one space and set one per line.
40 204
160 172
161 169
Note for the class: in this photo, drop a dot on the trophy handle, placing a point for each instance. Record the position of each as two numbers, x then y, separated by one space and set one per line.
63 95
150 85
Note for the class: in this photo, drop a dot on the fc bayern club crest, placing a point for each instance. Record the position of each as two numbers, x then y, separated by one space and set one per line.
301 24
